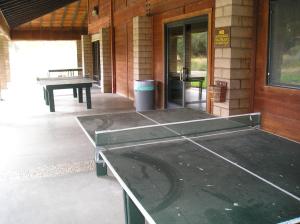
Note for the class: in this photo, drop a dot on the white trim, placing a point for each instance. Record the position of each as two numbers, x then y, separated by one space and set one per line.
128 191
293 221
179 139
86 133
279 136
107 113
169 124
235 164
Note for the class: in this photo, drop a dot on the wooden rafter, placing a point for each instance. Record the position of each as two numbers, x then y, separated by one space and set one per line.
64 16
18 12
75 15
84 19
41 22
52 19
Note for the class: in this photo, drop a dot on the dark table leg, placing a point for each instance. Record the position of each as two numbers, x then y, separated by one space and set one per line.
132 213
88 97
101 167
75 92
46 96
80 95
51 100
200 90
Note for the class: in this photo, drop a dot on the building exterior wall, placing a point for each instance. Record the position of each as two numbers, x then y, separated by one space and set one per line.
233 63
280 107
105 60
79 53
142 48
242 64
4 62
87 55
4 53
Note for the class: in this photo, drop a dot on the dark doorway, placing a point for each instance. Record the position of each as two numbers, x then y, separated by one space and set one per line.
96 62
187 62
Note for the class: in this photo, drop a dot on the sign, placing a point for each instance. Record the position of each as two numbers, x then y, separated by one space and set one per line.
222 37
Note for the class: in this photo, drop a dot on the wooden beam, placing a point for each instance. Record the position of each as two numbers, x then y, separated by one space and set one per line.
75 15
52 19
84 19
64 16
41 22
48 34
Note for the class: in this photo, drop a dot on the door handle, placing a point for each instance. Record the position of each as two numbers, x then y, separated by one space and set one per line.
184 73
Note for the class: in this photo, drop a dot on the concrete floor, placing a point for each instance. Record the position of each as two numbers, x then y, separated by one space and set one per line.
46 162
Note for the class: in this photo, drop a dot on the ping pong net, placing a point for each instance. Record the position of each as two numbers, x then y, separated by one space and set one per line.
175 130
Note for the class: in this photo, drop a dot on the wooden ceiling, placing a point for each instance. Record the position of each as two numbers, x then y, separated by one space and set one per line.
17 12
70 17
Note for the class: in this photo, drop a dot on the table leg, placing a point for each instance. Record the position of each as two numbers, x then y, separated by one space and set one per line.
75 92
132 213
200 90
101 167
46 95
88 97
80 95
51 100
183 93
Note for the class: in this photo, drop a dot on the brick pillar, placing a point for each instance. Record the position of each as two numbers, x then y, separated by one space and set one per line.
79 54
233 64
105 60
4 62
142 48
87 55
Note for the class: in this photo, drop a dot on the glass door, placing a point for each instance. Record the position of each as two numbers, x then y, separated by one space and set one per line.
175 63
96 61
186 57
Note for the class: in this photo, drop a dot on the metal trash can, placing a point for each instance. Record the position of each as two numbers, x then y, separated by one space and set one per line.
144 93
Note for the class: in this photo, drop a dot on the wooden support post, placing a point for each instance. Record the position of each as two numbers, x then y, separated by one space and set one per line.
112 46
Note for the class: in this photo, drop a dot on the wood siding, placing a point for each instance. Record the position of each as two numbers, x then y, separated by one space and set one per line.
124 11
280 107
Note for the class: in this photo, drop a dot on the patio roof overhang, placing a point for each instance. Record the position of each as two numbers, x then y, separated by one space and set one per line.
45 19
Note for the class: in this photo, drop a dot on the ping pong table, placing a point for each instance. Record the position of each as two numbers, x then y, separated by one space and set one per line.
185 166
75 83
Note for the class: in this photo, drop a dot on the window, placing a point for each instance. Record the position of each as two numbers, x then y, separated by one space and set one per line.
284 43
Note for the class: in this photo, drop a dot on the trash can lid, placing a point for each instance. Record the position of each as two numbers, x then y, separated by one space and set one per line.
144 85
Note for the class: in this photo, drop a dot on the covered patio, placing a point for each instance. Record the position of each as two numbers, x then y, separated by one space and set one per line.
149 111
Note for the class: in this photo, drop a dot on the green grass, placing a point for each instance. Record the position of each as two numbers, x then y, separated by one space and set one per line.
196 84
199 64
290 78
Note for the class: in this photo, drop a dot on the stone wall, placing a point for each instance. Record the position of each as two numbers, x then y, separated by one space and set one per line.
79 53
233 64
142 48
105 60
4 61
87 55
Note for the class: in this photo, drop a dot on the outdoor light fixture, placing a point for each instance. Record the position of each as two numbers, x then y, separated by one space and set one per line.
95 11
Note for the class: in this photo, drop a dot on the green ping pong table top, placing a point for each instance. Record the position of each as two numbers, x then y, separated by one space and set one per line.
242 175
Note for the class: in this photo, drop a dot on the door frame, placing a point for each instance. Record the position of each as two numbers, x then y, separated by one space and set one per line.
97 42
182 18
